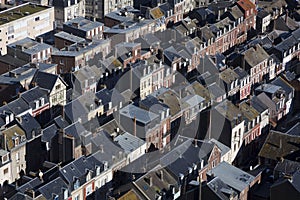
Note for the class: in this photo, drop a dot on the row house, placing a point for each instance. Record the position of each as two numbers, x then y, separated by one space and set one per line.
63 39
277 96
77 55
185 168
235 14
67 10
236 179
128 52
149 76
231 82
110 154
231 127
84 28
5 169
37 99
263 110
152 104
84 108
144 124
128 31
55 86
98 10
31 51
249 10
252 132
255 62
158 178
178 8
13 140
244 82
80 176
85 80
121 15
288 49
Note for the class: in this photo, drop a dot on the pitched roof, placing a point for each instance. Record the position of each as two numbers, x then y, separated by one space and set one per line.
40 77
232 176
279 145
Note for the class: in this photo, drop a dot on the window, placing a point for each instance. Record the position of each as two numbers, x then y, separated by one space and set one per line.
57 87
77 198
76 184
17 156
37 19
5 171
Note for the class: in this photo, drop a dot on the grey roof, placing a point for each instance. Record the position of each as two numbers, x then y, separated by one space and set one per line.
220 188
295 130
257 104
224 149
215 90
77 49
69 37
83 24
18 106
106 150
81 135
30 46
283 84
268 88
241 72
193 100
141 115
34 94
40 77
30 125
129 142
25 72
232 176
53 187
49 132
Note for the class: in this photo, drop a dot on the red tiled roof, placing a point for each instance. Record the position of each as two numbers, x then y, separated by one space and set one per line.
246 4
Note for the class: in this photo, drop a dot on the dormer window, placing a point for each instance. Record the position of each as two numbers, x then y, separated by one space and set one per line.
88 176
16 141
97 171
42 101
37 104
4 159
76 184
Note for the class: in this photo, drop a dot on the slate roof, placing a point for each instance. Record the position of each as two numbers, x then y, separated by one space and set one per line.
220 189
34 94
84 24
69 37
48 133
40 77
18 106
141 115
53 187
30 125
279 145
255 56
30 46
129 142
232 176
106 150
216 90
150 191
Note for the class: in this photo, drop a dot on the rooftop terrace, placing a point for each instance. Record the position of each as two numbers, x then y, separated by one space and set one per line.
18 12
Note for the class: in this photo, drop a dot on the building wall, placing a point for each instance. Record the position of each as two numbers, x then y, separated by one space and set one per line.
18 161
6 173
28 26
58 94
70 12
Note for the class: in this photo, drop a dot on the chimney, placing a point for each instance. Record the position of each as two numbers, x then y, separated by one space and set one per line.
286 16
41 175
40 40
101 148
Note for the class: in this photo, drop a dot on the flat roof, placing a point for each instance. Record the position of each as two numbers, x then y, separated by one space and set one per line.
21 11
